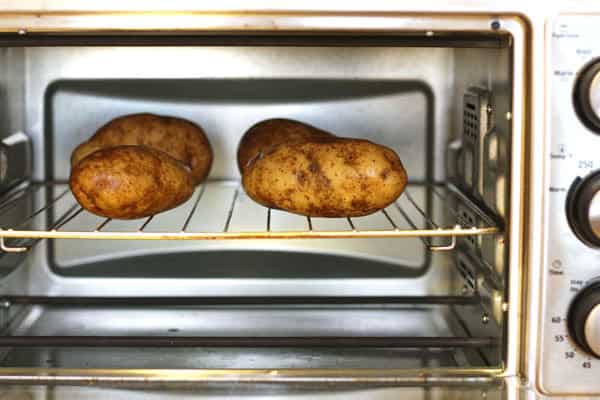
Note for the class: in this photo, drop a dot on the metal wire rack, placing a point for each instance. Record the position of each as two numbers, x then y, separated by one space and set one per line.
221 210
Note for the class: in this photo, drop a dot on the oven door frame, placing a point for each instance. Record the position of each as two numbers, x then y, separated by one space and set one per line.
24 24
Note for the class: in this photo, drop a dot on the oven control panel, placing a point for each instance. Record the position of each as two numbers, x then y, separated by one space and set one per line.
569 357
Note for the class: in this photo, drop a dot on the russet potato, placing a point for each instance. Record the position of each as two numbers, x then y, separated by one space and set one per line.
177 137
129 182
273 132
335 177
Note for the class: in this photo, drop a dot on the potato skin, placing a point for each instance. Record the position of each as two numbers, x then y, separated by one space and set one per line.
129 182
273 132
179 138
338 178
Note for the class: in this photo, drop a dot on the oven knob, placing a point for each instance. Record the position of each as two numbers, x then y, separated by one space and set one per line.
587 96
584 319
583 208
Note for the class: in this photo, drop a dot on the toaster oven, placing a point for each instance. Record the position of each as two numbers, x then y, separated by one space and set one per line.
470 279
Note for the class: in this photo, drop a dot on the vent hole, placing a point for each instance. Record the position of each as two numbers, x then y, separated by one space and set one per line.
466 274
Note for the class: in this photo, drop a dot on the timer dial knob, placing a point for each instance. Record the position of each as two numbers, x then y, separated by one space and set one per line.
583 208
587 96
584 319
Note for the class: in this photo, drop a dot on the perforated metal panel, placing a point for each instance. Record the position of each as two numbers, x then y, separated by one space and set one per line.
476 110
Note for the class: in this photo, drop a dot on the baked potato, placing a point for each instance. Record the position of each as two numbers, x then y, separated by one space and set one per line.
333 178
179 138
273 132
129 182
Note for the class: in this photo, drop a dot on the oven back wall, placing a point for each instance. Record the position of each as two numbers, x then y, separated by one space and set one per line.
396 96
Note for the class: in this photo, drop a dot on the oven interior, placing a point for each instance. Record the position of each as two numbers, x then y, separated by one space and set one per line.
443 103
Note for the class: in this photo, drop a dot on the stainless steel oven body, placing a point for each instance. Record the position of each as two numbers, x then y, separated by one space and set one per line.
481 275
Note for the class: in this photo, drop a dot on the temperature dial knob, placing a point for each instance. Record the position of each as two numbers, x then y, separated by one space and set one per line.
583 208
587 96
584 319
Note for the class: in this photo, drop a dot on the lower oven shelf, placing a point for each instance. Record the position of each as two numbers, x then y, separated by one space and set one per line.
240 337
221 210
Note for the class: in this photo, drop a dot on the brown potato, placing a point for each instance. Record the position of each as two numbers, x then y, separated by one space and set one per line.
335 178
273 132
179 138
129 182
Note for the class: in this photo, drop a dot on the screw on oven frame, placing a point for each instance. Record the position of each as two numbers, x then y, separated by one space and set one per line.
485 319
4 312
